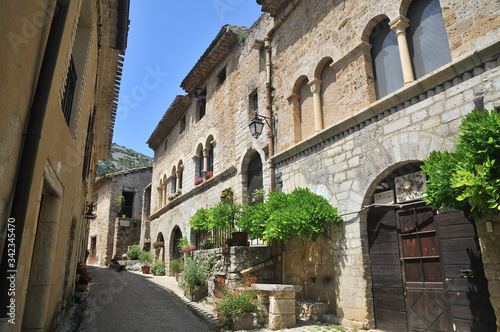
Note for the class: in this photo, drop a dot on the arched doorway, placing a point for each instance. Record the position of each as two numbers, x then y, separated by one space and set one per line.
160 253
174 247
254 177
426 267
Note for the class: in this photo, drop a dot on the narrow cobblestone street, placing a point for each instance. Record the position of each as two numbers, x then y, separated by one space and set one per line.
126 301
131 301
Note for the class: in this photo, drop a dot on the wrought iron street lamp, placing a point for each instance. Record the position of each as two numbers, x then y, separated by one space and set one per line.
257 125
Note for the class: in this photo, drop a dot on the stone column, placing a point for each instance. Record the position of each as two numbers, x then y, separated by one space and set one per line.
315 86
205 159
399 26
179 185
294 99
281 304
164 189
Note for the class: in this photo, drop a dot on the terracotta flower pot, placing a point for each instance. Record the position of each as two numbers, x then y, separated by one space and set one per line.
146 269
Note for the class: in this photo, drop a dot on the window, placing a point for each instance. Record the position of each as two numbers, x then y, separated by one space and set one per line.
210 162
427 38
255 102
165 146
221 76
180 177
200 166
254 178
387 70
202 103
69 91
183 123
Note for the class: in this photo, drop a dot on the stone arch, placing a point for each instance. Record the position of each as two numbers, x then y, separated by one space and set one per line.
367 31
245 161
175 236
198 160
160 253
403 8
389 154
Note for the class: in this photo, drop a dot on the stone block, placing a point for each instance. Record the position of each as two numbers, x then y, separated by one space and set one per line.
281 306
277 322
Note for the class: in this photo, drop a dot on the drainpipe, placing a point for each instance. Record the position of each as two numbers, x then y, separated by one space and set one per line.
267 47
32 137
270 135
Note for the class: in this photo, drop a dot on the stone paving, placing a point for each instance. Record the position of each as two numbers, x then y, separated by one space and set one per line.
204 309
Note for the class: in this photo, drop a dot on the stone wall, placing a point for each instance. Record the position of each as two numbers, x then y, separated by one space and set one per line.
104 227
227 263
488 230
343 164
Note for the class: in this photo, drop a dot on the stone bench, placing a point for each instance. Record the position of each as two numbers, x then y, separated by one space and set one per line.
279 301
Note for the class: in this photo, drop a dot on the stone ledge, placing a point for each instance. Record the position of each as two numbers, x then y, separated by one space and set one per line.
278 288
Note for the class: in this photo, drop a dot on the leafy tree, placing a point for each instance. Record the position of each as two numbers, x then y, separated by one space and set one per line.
470 176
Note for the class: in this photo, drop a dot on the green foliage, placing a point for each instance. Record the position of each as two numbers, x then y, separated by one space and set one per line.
121 203
177 265
158 268
146 258
127 159
236 301
184 243
134 252
470 176
300 213
224 215
194 276
200 221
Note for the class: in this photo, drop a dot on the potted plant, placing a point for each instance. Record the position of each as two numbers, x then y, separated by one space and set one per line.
121 206
82 278
208 175
195 280
158 268
176 267
201 99
134 252
207 243
158 245
146 259
235 305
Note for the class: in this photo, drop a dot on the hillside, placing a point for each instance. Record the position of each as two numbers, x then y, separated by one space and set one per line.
121 159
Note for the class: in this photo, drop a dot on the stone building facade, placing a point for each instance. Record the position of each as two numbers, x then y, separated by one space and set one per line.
361 93
116 227
60 73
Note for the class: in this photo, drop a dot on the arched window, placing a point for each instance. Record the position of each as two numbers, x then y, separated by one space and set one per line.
386 62
306 110
254 177
427 38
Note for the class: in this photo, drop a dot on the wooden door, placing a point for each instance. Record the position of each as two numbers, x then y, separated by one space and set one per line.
422 270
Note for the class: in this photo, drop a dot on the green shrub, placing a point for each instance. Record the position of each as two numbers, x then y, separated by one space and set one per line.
146 258
236 301
200 221
194 276
470 176
177 265
158 268
134 252
300 213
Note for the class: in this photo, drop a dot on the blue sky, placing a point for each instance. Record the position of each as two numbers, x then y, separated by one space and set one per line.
166 38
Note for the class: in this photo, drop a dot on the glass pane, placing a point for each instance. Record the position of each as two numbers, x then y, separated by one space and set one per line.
427 38
413 270
387 70
428 244
432 270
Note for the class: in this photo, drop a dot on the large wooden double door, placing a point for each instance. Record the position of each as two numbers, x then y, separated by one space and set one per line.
427 272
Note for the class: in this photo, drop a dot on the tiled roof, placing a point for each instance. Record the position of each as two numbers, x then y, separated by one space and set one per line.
273 7
215 53
173 115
